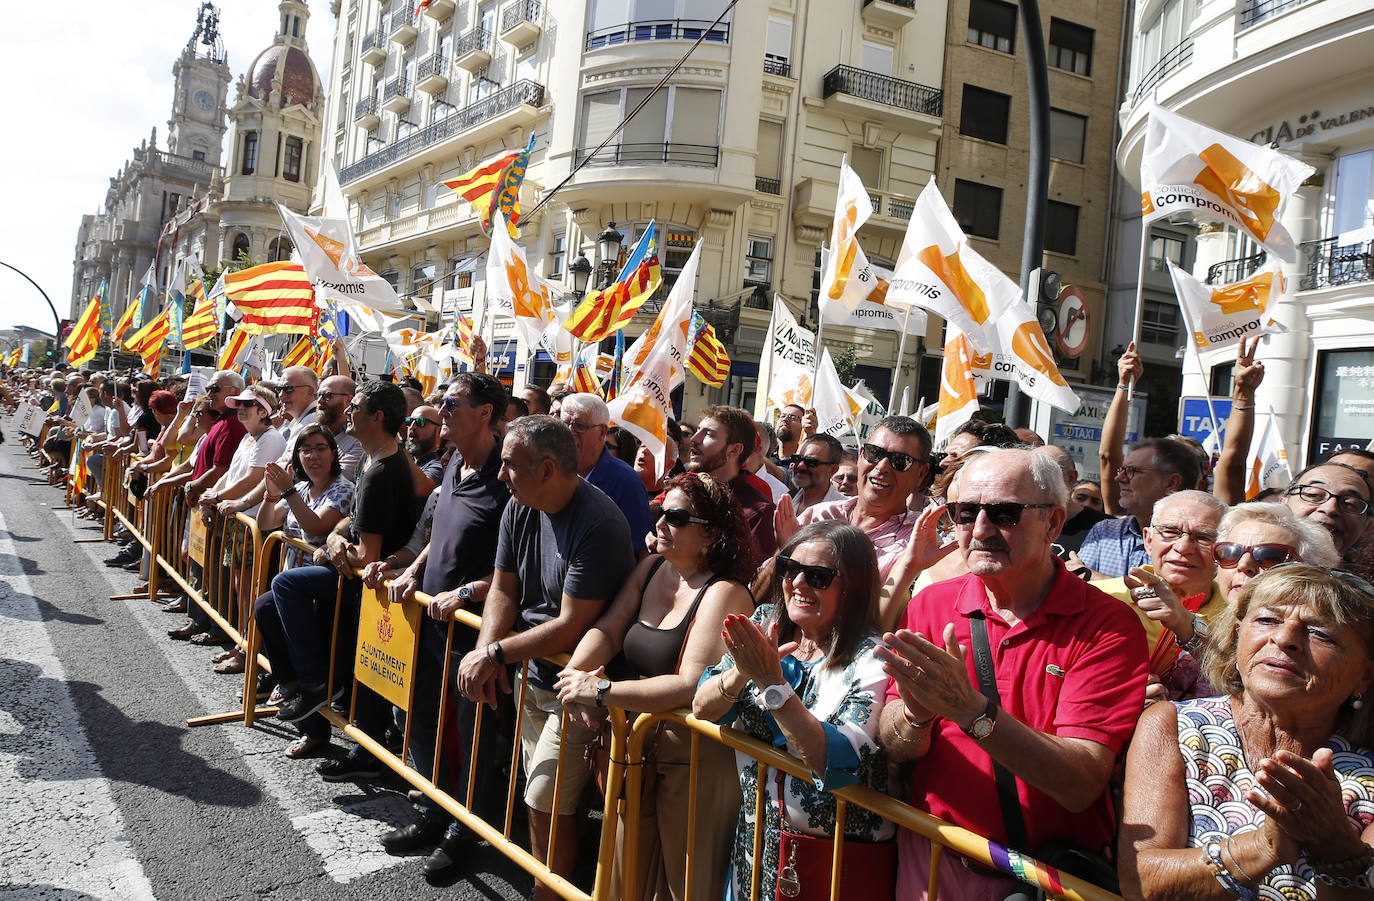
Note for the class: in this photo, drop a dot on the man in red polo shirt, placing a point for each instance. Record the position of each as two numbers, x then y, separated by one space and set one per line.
1069 665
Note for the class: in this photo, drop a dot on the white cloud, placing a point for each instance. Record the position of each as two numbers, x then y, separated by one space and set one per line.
84 89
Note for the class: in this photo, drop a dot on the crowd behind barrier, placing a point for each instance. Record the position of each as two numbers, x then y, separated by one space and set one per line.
372 624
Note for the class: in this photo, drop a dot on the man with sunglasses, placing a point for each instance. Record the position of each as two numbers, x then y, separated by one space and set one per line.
424 441
332 401
812 468
1064 687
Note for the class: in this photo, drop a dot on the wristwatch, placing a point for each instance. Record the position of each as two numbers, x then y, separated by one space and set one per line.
602 686
464 594
983 725
774 696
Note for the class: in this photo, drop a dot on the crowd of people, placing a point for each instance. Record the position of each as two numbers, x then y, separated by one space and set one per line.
1152 682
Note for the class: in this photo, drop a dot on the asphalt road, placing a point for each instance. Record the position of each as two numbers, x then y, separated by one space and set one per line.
106 793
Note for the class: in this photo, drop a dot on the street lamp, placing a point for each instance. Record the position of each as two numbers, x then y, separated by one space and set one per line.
609 242
581 271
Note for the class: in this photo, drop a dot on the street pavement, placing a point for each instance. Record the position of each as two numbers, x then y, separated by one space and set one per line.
105 793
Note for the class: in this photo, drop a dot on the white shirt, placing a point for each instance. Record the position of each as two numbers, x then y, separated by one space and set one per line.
775 487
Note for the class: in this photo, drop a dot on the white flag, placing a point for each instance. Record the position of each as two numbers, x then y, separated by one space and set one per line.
846 277
669 331
1221 315
1266 465
958 399
786 364
874 312
837 413
512 289
1187 167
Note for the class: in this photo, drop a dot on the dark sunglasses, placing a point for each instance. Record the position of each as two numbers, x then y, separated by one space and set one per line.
818 577
900 461
214 389
287 389
418 420
1002 514
449 404
677 517
326 395
1228 554
812 462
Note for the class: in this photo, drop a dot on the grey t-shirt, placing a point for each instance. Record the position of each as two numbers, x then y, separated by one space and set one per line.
582 550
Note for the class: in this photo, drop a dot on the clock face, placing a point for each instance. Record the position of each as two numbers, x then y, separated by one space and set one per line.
204 100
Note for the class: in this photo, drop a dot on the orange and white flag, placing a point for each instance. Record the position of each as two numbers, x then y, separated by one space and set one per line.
958 387
786 364
837 411
1222 315
1266 465
1188 167
514 290
670 329
846 277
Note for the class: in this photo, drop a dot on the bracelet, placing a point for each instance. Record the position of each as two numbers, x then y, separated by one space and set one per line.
1226 847
494 650
1236 406
720 687
290 492
906 716
1211 856
1353 872
1121 387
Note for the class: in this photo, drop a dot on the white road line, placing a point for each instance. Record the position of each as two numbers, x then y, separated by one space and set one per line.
64 829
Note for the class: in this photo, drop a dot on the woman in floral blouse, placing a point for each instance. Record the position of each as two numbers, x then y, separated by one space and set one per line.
801 674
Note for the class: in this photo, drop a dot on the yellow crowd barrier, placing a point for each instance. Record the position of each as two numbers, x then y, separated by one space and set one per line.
239 563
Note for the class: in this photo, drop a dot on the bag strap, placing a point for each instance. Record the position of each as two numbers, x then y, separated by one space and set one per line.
987 685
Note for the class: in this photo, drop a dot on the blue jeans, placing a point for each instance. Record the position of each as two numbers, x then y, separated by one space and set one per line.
294 593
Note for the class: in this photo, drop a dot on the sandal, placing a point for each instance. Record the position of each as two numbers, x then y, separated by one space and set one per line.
280 695
224 655
305 746
206 639
230 667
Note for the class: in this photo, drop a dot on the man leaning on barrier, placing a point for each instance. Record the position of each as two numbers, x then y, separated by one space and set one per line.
454 569
562 554
1064 668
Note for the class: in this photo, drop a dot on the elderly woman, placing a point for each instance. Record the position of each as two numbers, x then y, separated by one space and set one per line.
667 621
1258 791
801 674
1254 537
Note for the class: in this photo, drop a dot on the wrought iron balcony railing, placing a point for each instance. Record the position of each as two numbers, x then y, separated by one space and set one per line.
867 85
641 154
659 30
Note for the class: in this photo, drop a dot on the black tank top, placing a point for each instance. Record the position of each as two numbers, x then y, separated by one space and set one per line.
655 652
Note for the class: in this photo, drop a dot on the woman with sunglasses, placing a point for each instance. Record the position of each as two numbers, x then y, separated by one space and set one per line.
801 673
1261 792
1254 537
665 625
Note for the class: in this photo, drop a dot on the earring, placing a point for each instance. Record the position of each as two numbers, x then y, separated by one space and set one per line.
1358 701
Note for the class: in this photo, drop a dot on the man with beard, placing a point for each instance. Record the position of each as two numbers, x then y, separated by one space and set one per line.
423 441
789 429
722 442
812 468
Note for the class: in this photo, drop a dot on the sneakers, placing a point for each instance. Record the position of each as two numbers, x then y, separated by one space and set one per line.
266 685
441 864
423 833
302 704
356 764
124 558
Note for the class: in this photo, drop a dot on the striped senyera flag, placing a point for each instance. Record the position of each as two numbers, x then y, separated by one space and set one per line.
274 298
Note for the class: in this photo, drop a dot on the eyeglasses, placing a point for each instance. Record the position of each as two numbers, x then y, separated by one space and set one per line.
1130 472
677 517
900 461
418 420
354 407
793 417
287 389
818 577
449 404
326 395
1317 495
1266 556
579 427
1002 514
214 389
310 450
1174 533
812 462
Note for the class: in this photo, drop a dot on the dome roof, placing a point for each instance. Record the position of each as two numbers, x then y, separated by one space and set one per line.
298 81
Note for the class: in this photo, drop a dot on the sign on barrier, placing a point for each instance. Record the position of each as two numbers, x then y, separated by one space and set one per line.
388 634
29 419
197 538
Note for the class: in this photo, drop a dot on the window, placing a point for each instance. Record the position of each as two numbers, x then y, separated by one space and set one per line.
1353 205
250 153
241 248
279 249
393 278
1071 47
777 46
689 137
877 58
558 248
374 142
1165 248
768 163
992 24
197 154
867 163
1061 227
983 114
460 276
1162 46
1159 323
173 203
422 280
978 208
291 163
758 260
1067 133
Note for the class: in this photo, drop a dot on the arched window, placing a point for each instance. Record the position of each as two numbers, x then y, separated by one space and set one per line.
241 248
279 249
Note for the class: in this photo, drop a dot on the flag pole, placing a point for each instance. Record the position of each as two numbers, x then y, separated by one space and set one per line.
1140 300
901 357
1197 356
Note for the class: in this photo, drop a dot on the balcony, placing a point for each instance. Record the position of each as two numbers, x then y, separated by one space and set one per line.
472 51
1177 57
520 23
511 107
1330 265
396 95
439 10
767 185
890 14
777 65
900 208
431 76
667 154
367 113
1254 12
659 30
1226 271
874 96
374 48
403 29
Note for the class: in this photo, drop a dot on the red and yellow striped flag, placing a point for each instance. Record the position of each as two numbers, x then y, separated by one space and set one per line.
309 351
84 339
603 313
584 379
151 337
707 358
200 326
125 321
479 186
233 349
275 298
462 336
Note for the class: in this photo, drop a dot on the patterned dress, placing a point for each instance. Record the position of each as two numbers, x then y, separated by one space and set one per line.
1218 778
338 494
847 703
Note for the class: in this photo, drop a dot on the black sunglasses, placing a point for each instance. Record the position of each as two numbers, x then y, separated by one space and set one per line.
1266 556
214 389
811 462
677 517
418 420
900 461
818 577
449 404
287 389
1002 514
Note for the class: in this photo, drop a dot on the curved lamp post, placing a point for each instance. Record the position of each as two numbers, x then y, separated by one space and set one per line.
56 320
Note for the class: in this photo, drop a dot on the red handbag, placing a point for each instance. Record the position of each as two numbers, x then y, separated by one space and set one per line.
868 870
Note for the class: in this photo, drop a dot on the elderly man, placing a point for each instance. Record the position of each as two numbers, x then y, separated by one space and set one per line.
586 415
1336 496
562 555
812 468
1046 715
722 442
1155 467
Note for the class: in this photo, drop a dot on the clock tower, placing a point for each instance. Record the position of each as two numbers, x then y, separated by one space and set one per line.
197 125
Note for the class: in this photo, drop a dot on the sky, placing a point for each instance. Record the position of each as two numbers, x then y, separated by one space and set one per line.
85 87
